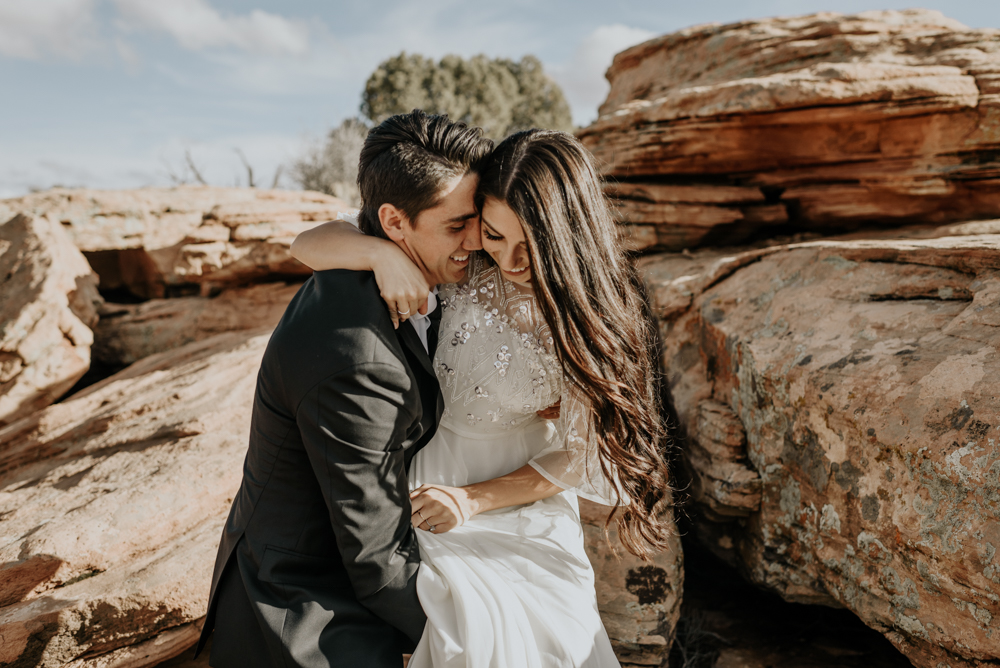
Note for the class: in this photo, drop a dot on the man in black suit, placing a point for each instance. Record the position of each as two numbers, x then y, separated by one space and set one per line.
318 560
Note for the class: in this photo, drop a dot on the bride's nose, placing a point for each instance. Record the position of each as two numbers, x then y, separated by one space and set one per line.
511 260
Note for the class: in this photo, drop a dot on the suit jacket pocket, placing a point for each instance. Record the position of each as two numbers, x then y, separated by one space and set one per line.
285 567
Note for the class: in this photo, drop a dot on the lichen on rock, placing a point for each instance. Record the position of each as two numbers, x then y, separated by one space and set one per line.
866 375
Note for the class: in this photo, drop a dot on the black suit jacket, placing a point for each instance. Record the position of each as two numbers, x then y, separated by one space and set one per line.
318 560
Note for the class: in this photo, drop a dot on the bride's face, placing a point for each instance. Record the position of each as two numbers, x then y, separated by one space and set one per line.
503 239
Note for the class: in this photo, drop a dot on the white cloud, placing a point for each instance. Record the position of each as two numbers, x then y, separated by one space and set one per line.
582 78
33 29
129 56
196 25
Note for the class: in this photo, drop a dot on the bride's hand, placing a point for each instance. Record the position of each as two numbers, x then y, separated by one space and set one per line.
443 508
340 245
552 412
402 285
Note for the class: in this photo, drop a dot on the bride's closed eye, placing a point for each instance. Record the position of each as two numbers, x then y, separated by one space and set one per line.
492 237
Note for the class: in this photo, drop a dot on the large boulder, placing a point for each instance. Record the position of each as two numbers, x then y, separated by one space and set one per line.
718 133
156 242
841 406
640 601
113 503
126 333
49 305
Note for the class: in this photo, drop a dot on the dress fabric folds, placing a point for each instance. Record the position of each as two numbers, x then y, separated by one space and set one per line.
512 587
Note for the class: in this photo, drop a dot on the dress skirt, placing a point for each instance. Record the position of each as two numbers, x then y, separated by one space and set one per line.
512 587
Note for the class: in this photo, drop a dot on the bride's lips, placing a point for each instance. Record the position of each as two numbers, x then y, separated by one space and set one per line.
515 273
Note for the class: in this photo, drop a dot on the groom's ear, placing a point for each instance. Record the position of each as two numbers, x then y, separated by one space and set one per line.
392 220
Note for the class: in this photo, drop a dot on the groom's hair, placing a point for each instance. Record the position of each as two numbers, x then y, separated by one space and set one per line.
408 158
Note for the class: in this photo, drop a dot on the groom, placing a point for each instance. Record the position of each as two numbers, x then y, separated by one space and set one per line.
318 560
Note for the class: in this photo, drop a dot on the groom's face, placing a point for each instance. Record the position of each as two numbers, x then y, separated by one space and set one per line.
440 239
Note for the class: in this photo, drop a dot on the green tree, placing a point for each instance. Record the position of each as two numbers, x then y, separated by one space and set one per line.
499 95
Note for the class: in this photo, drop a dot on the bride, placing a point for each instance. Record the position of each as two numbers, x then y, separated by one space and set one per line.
552 311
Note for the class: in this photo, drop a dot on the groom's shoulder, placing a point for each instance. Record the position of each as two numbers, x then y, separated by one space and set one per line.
328 292
337 315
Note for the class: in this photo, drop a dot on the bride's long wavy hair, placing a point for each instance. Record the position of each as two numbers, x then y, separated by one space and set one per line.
592 299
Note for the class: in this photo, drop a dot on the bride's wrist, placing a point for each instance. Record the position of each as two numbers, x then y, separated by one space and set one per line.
474 500
382 254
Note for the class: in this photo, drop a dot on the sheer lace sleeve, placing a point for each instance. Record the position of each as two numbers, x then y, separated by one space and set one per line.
572 462
349 216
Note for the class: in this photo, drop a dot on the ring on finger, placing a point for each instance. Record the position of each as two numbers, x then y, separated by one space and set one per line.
423 518
406 312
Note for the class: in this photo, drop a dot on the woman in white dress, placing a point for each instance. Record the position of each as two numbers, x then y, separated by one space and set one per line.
551 312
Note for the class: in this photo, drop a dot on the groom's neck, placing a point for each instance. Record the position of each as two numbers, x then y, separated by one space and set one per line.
431 279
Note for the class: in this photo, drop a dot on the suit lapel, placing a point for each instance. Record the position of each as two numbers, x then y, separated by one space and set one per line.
409 337
432 331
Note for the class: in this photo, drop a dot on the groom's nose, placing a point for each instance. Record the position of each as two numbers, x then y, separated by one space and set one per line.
473 240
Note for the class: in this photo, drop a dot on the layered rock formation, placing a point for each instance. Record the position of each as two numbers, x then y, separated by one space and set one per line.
127 333
159 241
840 401
716 134
113 503
49 304
639 601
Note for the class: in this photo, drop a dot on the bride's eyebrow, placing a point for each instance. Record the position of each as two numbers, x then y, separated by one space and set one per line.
491 229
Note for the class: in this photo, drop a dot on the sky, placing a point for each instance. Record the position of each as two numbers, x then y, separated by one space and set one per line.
115 93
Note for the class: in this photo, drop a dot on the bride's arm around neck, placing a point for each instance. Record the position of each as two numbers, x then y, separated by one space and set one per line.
339 244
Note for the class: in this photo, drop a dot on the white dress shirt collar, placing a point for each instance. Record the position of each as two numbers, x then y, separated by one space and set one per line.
421 322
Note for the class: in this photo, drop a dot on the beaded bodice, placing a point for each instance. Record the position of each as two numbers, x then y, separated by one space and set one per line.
494 358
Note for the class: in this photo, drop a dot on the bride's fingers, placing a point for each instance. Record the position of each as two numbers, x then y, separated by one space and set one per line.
439 525
422 523
400 310
407 307
418 518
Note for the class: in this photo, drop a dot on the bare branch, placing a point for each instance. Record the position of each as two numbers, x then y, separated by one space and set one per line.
175 178
189 161
249 169
277 176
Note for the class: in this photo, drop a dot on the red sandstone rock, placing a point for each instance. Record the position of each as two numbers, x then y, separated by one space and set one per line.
49 304
639 601
863 377
154 241
113 503
823 122
128 332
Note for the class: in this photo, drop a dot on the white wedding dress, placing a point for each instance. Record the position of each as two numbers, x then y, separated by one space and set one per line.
511 588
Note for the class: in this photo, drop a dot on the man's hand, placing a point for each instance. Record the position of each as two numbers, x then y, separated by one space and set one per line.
552 412
439 509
